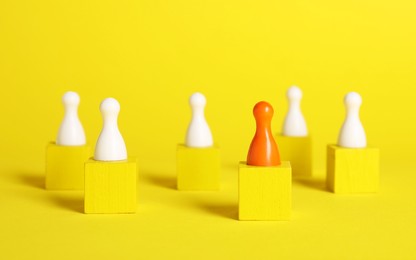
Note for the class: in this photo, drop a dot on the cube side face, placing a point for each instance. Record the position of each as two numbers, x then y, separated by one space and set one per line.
265 193
330 167
354 170
198 168
110 187
65 166
297 150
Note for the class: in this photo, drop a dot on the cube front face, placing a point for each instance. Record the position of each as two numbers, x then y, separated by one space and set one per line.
65 166
110 187
198 168
298 151
265 193
352 170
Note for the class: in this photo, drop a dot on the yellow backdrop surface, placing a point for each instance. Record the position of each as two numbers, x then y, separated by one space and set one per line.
151 55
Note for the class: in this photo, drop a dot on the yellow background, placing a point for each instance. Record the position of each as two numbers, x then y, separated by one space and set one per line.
151 55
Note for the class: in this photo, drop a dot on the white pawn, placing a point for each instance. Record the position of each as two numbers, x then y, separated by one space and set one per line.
294 124
71 132
352 134
198 134
110 144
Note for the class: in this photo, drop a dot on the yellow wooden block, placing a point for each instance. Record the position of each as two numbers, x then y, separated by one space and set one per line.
198 168
65 166
352 170
110 187
298 151
265 193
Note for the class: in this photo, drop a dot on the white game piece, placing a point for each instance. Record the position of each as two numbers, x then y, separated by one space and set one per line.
198 134
110 145
352 134
71 132
294 124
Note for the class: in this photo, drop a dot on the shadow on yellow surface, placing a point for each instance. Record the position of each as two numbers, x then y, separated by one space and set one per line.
71 203
312 183
158 179
229 211
31 179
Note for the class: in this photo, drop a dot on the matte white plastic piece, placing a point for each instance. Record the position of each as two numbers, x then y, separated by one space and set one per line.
294 124
352 134
71 132
110 144
198 134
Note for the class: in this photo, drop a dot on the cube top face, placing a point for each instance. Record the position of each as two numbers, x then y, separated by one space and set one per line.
198 169
65 166
308 137
184 147
338 148
53 143
352 170
265 193
130 159
111 187
54 146
284 165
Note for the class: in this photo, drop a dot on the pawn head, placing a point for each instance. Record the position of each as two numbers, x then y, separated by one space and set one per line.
197 100
70 98
110 106
353 99
294 93
263 111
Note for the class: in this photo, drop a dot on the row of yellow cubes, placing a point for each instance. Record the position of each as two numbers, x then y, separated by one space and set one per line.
264 192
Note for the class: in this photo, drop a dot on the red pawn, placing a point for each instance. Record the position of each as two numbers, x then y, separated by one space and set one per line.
263 149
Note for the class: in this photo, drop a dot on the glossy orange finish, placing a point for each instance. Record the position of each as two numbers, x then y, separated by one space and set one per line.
263 149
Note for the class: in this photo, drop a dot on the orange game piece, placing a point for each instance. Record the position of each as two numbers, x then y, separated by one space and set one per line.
263 149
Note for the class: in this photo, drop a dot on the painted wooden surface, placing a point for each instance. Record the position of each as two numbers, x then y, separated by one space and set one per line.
298 151
265 193
352 170
65 166
198 168
110 187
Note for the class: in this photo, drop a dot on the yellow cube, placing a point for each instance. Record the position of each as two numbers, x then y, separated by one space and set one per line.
65 166
110 187
298 151
265 193
198 168
352 170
